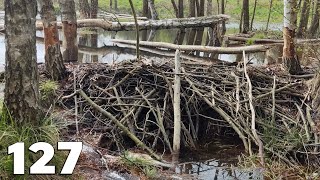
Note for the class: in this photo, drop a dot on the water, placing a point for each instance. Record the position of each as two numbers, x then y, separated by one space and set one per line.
217 160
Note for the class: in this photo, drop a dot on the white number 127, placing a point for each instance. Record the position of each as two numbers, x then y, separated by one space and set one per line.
40 166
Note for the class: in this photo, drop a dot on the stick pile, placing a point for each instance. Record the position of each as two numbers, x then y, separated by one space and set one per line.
140 97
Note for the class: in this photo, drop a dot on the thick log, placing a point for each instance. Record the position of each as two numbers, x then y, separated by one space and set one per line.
155 24
210 49
269 41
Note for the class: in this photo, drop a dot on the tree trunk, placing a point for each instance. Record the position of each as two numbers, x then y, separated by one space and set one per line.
175 7
246 16
53 58
269 14
315 21
145 8
192 13
69 27
253 14
304 18
222 11
84 9
181 33
116 5
157 24
21 97
200 30
137 29
180 8
153 11
94 9
290 59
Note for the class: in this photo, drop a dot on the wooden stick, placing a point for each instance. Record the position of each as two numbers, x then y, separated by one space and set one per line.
211 49
253 113
176 109
120 125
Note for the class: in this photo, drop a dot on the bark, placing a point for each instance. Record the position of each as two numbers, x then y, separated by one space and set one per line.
143 25
180 8
156 24
153 11
253 14
304 18
269 14
136 28
94 9
246 16
84 9
145 8
290 59
21 97
69 27
53 57
200 30
175 7
315 21
181 33
192 13
210 49
224 29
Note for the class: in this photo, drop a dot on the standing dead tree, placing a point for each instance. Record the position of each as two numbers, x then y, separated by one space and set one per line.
69 26
53 57
290 59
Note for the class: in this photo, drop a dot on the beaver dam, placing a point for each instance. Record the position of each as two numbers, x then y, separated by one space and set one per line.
130 105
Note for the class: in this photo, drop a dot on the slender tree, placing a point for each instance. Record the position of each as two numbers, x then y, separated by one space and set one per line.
269 14
175 8
137 29
69 26
21 97
222 11
192 13
315 20
246 16
53 58
153 11
290 59
304 18
84 9
253 14
145 8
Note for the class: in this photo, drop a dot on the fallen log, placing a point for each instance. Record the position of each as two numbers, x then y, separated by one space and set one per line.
268 41
210 49
208 21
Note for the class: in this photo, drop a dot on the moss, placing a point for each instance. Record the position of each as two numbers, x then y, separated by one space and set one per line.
48 89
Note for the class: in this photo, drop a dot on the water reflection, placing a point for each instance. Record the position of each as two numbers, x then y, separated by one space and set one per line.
214 170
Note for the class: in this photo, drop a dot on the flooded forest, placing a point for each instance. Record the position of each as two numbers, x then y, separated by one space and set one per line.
160 89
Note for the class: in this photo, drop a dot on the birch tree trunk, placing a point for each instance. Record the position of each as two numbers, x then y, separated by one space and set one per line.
21 97
53 57
69 27
290 59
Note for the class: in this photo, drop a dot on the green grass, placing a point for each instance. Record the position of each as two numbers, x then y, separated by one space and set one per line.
10 134
165 9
